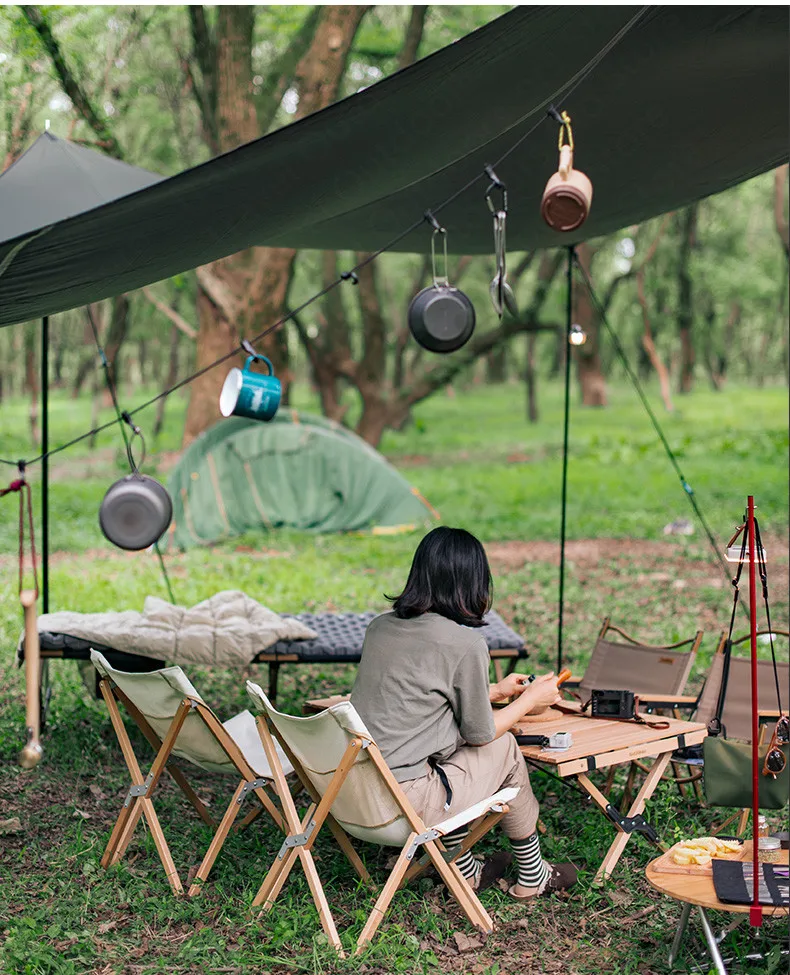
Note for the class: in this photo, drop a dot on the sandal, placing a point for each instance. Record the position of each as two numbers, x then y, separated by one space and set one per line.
561 876
494 867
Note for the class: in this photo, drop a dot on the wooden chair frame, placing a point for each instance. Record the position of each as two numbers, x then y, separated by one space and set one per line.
675 702
303 833
139 802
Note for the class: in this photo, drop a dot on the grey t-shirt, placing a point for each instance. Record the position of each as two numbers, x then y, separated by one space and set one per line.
422 690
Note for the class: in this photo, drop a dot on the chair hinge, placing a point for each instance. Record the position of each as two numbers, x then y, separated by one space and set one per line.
136 791
297 839
421 840
249 787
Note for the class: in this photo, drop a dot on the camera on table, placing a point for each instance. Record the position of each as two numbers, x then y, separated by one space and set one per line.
618 705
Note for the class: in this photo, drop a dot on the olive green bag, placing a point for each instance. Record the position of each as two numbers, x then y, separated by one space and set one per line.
728 775
728 764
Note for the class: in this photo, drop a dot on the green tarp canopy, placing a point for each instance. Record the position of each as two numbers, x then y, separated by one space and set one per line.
669 104
298 471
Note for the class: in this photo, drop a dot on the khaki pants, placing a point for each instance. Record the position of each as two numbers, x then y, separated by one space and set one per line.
475 773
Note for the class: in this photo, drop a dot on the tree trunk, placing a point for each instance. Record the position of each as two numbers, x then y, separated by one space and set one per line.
58 351
245 294
172 376
531 379
119 325
496 365
709 356
650 346
782 226
31 380
588 356
685 308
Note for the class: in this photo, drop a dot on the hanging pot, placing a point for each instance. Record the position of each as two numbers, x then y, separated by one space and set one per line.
136 512
441 318
568 195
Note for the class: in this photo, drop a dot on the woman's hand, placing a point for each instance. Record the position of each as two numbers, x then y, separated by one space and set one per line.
536 696
544 692
510 686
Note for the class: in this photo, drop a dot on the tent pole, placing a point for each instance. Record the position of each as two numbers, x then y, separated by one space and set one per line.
568 323
45 463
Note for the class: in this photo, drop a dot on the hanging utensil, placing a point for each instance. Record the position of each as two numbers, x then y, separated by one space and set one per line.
568 195
441 318
500 291
137 510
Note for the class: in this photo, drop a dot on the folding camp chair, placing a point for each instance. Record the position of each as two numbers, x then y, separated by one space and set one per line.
736 713
343 770
176 721
657 674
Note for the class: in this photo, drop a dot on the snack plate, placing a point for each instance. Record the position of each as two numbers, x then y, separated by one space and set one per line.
665 863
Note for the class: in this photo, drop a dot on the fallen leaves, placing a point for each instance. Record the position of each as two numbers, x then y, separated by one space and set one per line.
465 942
10 826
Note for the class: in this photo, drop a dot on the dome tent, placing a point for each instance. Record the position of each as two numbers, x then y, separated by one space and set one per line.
297 471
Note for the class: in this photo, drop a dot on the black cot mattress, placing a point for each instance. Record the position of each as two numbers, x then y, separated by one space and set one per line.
340 638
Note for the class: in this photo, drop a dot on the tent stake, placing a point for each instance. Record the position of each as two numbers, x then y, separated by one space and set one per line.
568 323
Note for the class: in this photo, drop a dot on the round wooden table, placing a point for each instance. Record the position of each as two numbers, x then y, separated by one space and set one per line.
696 890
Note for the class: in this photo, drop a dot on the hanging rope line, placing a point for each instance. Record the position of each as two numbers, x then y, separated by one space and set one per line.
687 488
123 419
564 91
21 486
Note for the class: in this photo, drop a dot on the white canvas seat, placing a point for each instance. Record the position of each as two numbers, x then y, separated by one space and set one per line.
176 721
342 768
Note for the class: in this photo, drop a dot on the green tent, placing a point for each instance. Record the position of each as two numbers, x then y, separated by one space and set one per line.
297 471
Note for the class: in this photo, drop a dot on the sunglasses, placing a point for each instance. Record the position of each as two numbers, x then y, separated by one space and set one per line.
775 758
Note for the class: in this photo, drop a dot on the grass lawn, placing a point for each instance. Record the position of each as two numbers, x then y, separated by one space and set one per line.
485 469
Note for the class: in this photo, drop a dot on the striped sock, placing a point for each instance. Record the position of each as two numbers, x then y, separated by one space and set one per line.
532 868
469 866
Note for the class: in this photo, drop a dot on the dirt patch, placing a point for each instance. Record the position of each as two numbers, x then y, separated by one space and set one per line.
584 552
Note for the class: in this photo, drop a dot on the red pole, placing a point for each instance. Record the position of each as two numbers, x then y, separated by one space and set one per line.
756 911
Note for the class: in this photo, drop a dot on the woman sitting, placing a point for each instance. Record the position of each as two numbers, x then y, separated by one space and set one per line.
423 691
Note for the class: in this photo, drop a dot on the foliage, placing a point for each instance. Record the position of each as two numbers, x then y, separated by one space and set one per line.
137 64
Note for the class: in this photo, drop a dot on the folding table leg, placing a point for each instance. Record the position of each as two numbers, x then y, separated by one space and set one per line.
681 929
615 851
713 946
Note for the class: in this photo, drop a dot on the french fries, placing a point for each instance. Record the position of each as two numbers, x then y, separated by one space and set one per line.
704 849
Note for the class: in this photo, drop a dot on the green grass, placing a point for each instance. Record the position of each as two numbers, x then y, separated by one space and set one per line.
486 469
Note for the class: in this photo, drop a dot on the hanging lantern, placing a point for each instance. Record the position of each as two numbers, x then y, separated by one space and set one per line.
568 195
577 335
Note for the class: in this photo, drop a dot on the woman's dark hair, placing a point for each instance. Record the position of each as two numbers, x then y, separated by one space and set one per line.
450 576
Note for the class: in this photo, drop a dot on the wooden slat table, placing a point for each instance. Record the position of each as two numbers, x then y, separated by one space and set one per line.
698 891
598 744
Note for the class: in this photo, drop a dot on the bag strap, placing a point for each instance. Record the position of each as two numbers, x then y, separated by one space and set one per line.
763 571
715 727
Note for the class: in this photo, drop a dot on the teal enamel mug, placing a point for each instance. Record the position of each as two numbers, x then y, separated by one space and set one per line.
251 394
